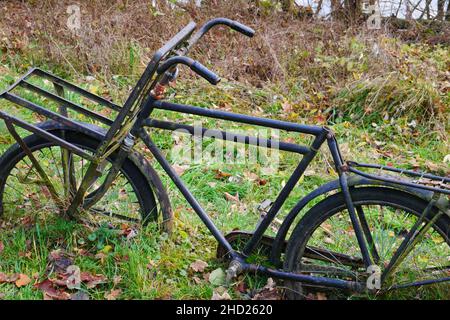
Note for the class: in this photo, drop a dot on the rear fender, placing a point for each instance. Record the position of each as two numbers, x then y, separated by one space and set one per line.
332 186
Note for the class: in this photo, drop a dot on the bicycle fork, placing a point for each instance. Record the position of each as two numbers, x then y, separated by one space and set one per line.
93 172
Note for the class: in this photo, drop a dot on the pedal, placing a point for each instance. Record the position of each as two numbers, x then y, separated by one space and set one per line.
233 271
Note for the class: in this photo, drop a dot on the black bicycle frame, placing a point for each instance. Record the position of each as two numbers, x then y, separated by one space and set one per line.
135 116
320 134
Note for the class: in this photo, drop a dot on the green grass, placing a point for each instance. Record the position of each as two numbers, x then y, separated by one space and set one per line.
155 266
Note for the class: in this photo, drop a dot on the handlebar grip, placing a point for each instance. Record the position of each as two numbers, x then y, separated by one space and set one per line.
203 71
242 28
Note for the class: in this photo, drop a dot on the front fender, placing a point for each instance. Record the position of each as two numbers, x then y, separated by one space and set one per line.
353 181
138 159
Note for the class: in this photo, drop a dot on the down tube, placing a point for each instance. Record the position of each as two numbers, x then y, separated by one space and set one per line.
186 193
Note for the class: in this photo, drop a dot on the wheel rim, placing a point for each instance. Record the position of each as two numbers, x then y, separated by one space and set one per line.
388 224
24 191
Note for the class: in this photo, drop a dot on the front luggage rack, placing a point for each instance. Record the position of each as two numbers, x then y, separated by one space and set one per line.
414 179
47 95
117 129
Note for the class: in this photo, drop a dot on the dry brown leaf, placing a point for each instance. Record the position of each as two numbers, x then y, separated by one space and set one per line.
50 293
4 278
220 175
230 197
23 280
269 292
2 247
261 182
287 107
197 280
241 287
101 256
92 280
198 265
59 261
219 296
431 166
113 294
46 192
179 170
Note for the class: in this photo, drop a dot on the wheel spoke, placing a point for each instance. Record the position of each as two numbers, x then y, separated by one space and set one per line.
42 173
392 227
411 239
367 234
97 211
335 257
328 270
24 182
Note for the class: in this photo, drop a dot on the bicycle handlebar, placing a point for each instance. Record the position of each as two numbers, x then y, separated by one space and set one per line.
170 64
195 66
242 28
237 26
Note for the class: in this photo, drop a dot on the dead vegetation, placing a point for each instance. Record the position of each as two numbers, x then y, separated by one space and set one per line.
323 67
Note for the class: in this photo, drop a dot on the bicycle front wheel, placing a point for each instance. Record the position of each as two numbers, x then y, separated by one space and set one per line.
324 244
23 189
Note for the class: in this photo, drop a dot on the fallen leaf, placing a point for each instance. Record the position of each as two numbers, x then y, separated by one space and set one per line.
28 221
206 276
197 280
46 192
107 249
198 265
4 278
101 256
132 234
23 280
241 287
117 280
25 254
59 261
261 182
269 292
232 198
179 170
287 107
2 247
218 296
113 294
431 166
91 280
217 277
49 291
220 175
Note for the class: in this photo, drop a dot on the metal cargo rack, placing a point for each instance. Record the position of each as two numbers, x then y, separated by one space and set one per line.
409 178
111 139
118 128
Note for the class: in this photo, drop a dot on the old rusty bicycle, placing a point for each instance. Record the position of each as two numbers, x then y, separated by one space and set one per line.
391 223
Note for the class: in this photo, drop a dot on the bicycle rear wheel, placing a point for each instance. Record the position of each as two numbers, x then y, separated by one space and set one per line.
324 244
22 190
